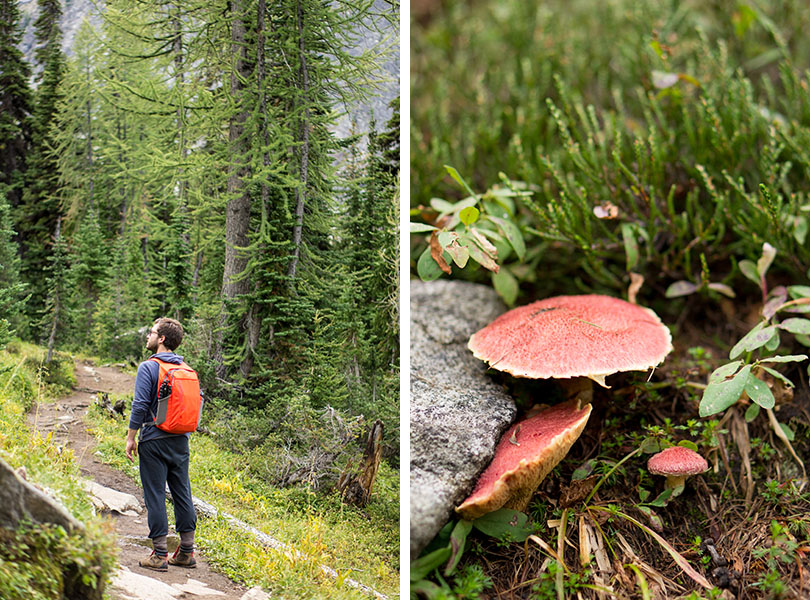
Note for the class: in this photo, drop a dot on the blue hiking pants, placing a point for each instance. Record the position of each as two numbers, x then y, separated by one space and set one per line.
163 461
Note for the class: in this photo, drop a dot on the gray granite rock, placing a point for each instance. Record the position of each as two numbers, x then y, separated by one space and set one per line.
20 500
457 413
105 498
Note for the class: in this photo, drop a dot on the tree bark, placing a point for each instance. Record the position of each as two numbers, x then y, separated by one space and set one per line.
57 307
356 487
252 323
303 150
237 212
237 216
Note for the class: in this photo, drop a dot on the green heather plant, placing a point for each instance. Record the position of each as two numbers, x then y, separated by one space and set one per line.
673 148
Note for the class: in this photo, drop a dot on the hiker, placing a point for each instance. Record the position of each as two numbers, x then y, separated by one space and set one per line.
163 456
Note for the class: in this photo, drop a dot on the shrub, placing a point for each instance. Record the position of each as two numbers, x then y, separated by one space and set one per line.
673 147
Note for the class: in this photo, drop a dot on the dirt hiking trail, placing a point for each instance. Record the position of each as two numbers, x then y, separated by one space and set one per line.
65 418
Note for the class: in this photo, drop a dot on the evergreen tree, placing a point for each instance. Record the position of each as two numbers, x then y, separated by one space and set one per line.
15 104
12 289
88 277
40 209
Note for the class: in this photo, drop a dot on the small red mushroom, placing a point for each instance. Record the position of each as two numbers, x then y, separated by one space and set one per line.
676 463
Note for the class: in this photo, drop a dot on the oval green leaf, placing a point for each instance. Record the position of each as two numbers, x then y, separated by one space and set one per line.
680 288
506 285
723 289
442 206
772 344
796 325
469 215
776 373
505 524
427 268
512 233
422 227
749 269
799 291
460 254
723 372
759 392
756 338
718 396
784 358
446 238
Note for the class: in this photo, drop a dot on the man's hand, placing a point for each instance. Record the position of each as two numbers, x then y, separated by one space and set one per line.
132 445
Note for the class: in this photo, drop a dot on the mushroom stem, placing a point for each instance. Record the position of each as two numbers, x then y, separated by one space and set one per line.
674 482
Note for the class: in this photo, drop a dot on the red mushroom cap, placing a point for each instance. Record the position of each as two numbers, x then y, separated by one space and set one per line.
677 461
524 456
573 336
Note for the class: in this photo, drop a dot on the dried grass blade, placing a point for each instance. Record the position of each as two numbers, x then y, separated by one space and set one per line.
676 556
739 431
546 548
584 542
642 581
559 582
777 429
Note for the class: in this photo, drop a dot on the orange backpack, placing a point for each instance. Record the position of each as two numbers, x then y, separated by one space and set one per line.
179 398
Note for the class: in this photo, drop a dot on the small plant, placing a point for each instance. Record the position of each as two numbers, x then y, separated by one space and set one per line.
442 556
480 227
744 374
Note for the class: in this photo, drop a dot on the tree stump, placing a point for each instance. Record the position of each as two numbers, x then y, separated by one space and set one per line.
355 486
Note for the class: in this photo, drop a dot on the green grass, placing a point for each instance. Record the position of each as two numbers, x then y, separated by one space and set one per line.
362 545
38 562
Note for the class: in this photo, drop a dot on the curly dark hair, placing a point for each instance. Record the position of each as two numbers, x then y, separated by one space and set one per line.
171 330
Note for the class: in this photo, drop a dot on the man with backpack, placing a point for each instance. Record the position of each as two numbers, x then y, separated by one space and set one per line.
166 408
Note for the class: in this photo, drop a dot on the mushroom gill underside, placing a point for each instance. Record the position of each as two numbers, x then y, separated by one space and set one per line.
525 454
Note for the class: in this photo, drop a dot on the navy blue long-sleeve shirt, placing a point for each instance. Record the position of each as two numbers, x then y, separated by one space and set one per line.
144 404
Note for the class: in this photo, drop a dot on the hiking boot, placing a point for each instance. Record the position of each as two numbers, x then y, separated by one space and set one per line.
154 562
182 559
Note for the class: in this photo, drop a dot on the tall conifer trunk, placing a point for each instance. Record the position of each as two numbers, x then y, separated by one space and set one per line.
237 213
57 302
252 324
303 148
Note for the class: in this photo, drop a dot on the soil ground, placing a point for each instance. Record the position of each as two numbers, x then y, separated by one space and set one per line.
65 418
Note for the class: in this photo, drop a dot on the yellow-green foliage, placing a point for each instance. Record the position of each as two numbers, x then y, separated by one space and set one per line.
362 545
35 561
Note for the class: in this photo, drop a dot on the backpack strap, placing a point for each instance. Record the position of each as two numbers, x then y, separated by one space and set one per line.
163 371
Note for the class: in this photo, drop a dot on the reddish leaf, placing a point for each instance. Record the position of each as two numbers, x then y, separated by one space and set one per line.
436 252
